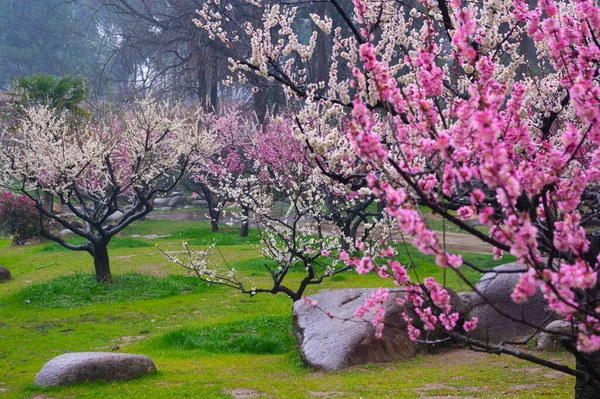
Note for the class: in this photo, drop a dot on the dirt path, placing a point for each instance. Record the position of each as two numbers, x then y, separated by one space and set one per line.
454 241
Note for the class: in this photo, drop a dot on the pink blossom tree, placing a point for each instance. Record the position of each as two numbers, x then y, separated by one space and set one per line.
109 168
490 108
226 164
299 237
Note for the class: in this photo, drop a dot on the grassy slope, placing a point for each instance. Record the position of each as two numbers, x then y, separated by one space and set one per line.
160 328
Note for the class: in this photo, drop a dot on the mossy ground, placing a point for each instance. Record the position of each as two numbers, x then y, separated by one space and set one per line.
211 342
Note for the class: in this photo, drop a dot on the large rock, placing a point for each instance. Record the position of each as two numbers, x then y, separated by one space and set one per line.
497 288
4 273
113 218
345 340
550 339
73 368
199 203
176 201
161 201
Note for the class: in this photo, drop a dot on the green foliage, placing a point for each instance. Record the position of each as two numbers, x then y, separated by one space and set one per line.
34 335
116 242
227 236
57 92
254 266
260 335
196 233
18 217
82 289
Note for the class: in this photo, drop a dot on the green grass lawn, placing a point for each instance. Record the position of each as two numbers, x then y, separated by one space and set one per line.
208 341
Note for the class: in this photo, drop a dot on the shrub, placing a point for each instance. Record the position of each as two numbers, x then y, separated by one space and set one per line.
18 217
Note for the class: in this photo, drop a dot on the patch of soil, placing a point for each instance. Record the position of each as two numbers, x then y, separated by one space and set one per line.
325 394
150 236
244 393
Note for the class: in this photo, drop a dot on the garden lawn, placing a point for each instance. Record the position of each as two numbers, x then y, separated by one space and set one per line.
208 341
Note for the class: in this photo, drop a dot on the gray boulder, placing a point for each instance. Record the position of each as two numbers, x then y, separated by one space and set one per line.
176 194
497 288
199 203
114 217
175 202
550 339
65 232
161 201
345 340
4 273
72 368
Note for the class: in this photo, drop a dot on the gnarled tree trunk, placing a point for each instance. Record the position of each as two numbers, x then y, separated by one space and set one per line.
101 263
588 389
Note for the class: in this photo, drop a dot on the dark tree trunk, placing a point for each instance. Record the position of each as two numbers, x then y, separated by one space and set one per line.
49 202
213 214
260 104
214 225
588 389
201 81
214 86
245 225
101 263
380 209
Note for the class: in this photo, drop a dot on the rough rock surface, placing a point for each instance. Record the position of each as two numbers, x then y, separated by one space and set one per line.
4 273
549 341
161 201
176 202
114 217
497 288
344 340
77 367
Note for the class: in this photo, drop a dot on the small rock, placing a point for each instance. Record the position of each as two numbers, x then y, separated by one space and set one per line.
4 273
72 368
114 217
176 201
65 232
176 194
550 339
161 201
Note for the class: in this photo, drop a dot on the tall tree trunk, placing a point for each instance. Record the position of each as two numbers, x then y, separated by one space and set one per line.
588 389
260 104
101 263
49 202
214 86
213 213
201 82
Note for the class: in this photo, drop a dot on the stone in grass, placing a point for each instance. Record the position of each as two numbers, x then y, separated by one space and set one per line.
344 340
72 368
4 273
497 287
550 339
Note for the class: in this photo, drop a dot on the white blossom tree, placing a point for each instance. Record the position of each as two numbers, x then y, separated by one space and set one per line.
114 165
